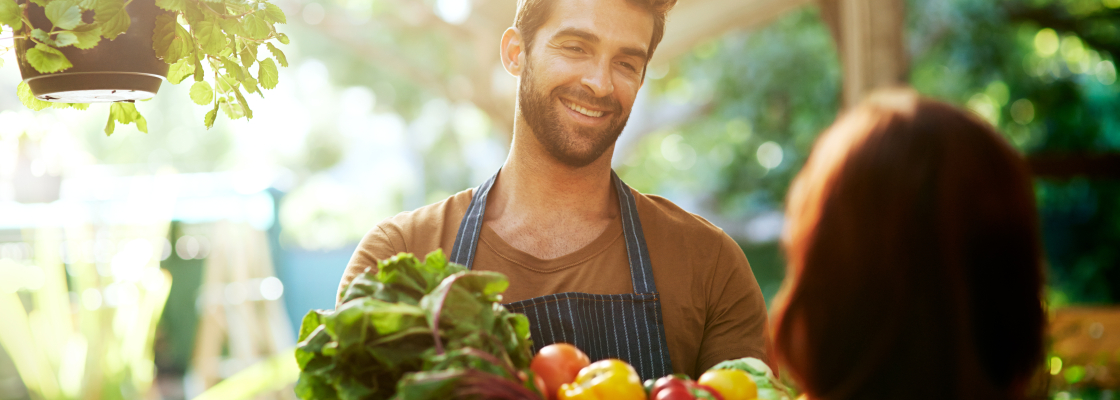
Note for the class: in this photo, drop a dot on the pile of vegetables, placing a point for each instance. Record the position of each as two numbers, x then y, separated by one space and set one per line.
420 330
417 330
569 375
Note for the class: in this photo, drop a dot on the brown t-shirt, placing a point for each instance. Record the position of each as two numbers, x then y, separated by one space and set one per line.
710 301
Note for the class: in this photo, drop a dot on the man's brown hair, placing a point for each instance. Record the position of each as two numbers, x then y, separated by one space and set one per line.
532 14
914 259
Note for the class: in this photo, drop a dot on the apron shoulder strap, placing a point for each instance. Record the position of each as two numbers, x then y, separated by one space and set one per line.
641 270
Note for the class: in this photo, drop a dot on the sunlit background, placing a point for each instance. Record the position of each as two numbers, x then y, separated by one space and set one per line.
154 266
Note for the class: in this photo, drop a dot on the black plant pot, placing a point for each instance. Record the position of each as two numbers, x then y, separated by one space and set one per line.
123 69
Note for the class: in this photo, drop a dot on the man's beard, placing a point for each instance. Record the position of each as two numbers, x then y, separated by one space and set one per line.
563 142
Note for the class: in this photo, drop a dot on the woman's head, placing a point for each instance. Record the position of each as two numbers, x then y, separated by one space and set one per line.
914 259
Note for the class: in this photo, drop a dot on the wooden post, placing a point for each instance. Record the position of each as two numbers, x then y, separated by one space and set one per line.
869 39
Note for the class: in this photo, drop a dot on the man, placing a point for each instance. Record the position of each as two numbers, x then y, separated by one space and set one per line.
615 272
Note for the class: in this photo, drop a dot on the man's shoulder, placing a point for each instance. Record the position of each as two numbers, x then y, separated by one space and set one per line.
659 211
429 216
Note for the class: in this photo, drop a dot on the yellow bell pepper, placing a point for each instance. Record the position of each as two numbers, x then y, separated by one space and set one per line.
605 380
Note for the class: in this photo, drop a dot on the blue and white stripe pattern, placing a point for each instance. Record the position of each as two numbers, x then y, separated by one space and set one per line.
625 326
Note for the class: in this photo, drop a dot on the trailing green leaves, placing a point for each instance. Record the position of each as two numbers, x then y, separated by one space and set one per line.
10 14
89 35
46 59
215 39
415 330
279 55
23 91
125 113
112 17
267 74
171 41
201 93
63 14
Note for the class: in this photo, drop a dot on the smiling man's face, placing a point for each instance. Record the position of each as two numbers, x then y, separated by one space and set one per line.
583 71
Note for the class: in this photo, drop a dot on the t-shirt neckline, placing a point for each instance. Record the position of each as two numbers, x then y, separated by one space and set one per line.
499 246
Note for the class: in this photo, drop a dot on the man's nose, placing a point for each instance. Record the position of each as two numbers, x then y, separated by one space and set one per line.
598 79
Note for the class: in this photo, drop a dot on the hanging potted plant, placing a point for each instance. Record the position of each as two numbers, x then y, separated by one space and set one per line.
75 52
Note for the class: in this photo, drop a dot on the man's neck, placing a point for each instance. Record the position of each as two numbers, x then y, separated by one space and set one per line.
546 208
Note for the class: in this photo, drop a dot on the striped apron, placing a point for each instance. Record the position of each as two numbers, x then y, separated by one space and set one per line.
625 326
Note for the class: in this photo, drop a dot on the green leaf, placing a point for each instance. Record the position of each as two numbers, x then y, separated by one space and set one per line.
89 35
10 14
244 104
202 93
63 39
112 17
211 116
199 72
255 27
282 38
171 41
125 113
232 110
249 55
210 37
47 59
180 70
23 91
64 14
171 5
232 26
250 86
42 36
279 55
267 74
273 14
233 70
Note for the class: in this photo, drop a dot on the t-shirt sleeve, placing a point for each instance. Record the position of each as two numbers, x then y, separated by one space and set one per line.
381 242
736 324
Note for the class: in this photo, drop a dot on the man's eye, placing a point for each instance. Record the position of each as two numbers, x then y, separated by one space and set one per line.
628 66
575 49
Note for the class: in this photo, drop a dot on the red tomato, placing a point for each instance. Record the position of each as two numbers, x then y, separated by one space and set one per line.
674 393
558 364
665 383
542 387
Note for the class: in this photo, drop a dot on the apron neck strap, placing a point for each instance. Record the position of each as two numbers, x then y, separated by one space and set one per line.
641 271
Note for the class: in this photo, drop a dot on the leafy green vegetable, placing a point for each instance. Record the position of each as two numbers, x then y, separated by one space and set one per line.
769 388
417 330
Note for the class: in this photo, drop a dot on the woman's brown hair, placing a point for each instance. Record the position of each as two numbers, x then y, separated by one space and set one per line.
914 262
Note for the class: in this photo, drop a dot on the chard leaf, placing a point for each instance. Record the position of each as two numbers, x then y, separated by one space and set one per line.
112 17
47 59
10 14
63 14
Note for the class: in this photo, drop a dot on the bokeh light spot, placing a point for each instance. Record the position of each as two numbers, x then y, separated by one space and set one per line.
1046 42
769 155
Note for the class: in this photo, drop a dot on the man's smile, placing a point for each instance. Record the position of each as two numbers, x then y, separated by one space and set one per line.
582 110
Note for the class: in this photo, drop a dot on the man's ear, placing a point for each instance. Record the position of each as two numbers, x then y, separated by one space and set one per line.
513 51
